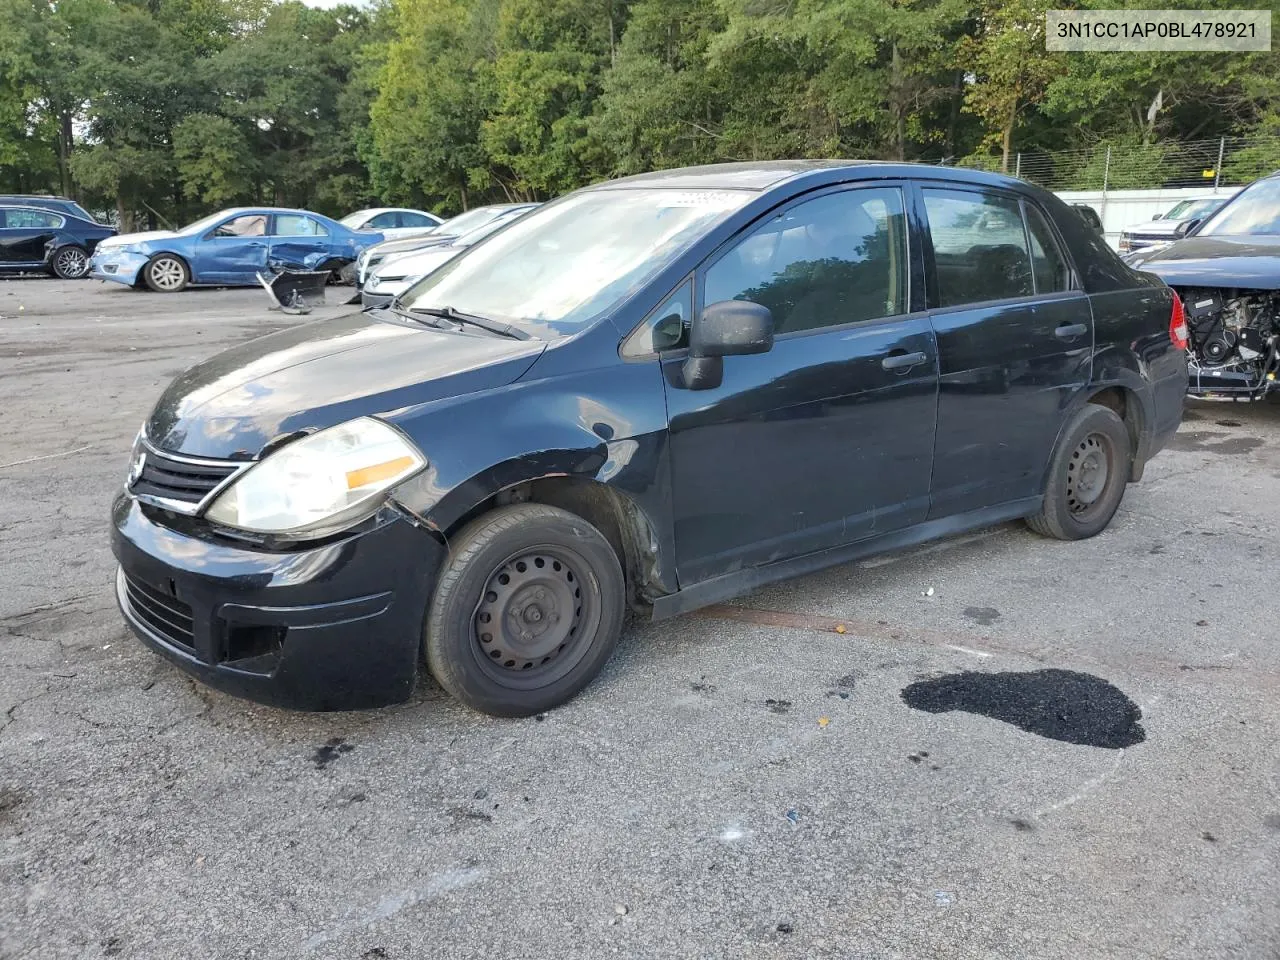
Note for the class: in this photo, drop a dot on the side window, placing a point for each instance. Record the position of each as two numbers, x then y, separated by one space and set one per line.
384 220
295 225
835 259
664 328
979 246
410 219
1047 262
250 225
28 219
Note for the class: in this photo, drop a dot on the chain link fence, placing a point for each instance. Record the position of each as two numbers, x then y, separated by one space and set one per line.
1222 162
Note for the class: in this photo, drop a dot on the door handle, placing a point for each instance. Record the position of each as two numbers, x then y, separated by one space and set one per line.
901 360
1070 331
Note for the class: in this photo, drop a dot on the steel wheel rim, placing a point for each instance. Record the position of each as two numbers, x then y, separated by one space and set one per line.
1089 473
71 263
166 274
536 617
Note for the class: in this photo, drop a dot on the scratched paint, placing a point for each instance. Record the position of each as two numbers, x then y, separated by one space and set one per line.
1057 704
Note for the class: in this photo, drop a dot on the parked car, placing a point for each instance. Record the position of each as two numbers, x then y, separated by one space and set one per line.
392 221
41 238
1161 228
229 248
1088 215
56 204
398 271
447 232
1226 269
661 392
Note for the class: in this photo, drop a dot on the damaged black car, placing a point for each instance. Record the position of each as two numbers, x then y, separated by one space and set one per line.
655 393
1226 269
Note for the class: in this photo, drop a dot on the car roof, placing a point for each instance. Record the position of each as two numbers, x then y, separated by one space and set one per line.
761 175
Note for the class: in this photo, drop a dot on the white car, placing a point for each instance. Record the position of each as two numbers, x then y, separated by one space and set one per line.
397 272
1163 229
392 221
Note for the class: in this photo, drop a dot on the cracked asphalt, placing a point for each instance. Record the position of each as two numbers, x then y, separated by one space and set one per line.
748 781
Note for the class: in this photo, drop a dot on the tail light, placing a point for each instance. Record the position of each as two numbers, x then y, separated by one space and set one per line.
1178 324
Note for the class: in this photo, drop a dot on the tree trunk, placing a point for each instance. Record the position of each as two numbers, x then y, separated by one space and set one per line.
64 155
1007 137
899 106
953 123
462 191
124 216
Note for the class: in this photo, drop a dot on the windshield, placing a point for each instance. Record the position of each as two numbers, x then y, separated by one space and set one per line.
1192 208
204 223
1254 211
353 220
566 263
465 222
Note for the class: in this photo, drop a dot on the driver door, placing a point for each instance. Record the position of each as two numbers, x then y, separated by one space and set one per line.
828 437
234 251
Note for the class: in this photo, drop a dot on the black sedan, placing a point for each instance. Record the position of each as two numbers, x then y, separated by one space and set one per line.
35 238
1226 268
656 393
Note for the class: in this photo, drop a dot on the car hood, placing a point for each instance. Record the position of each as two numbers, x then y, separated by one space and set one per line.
417 264
122 239
321 374
1154 228
1247 262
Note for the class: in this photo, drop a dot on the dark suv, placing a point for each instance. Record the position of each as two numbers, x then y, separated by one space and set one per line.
658 392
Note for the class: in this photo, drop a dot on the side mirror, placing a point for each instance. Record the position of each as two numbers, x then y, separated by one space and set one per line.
725 329
1157 216
1185 227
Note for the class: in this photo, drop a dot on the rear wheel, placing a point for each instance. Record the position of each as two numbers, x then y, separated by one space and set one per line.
1087 477
70 263
526 612
166 273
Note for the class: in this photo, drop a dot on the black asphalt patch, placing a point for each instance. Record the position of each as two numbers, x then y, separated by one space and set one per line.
1058 704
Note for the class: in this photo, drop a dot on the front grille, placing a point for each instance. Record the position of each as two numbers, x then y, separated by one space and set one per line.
165 615
181 480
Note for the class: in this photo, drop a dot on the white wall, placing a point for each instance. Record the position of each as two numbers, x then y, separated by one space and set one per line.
1124 208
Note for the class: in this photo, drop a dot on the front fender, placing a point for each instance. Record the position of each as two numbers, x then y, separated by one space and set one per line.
605 426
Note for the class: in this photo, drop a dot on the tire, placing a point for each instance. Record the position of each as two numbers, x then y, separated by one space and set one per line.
166 273
1087 476
70 262
518 646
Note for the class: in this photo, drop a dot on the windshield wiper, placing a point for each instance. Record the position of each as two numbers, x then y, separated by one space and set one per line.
484 323
396 307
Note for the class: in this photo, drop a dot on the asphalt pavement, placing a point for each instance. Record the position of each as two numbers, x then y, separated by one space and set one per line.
994 746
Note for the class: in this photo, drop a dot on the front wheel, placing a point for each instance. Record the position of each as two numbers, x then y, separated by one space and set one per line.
165 273
526 612
1087 477
70 263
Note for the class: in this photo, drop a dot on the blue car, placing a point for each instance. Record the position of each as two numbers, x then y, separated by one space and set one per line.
228 249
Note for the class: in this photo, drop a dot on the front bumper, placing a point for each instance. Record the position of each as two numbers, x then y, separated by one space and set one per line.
333 627
117 265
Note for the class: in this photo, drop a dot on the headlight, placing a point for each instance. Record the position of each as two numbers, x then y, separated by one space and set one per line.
319 484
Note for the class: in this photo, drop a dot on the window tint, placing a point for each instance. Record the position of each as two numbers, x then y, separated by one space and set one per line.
979 247
835 259
1047 262
294 225
384 220
665 327
410 219
250 225
26 218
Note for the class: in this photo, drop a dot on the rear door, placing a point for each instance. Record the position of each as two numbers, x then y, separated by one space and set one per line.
828 437
234 251
1015 340
25 234
299 241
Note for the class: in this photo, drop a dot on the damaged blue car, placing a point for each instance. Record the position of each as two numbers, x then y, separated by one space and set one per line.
227 249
